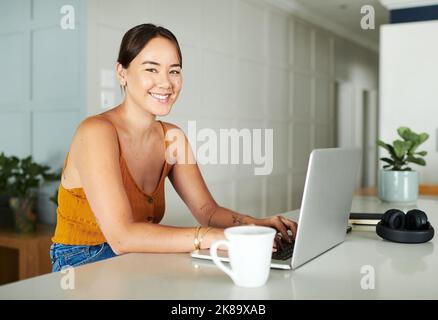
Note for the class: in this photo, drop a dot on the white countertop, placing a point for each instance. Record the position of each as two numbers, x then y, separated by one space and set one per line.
402 271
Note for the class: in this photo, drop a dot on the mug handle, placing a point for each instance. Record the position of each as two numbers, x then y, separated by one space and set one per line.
220 264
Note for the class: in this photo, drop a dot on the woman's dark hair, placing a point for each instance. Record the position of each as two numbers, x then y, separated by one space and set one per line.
136 38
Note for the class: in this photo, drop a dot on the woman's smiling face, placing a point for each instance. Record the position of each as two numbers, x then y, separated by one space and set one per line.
153 78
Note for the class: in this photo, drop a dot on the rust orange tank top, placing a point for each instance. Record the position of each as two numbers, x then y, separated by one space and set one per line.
76 223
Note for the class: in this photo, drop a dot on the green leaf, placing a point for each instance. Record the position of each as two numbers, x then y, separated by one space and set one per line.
421 153
404 132
419 161
400 148
408 146
413 148
383 144
387 160
386 166
423 137
387 147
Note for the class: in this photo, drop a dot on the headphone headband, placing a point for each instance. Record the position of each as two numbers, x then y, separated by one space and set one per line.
403 235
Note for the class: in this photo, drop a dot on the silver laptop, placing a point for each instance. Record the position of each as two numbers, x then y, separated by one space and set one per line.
325 208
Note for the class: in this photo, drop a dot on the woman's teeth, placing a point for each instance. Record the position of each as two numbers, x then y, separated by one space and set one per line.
160 97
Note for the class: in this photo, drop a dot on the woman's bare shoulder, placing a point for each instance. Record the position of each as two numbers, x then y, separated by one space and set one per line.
96 123
169 125
173 127
96 133
97 127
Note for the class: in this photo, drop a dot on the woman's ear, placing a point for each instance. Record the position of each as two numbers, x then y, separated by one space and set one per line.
121 74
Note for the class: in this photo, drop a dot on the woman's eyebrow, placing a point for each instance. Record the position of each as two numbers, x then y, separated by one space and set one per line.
156 63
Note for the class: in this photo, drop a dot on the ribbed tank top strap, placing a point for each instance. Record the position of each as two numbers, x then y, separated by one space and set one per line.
166 145
165 132
118 140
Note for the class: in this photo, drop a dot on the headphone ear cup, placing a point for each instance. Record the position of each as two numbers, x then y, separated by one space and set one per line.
394 219
416 220
386 216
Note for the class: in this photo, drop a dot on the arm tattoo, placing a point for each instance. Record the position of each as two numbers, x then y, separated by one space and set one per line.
237 220
209 209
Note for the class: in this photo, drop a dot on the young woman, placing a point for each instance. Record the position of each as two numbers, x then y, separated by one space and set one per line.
111 195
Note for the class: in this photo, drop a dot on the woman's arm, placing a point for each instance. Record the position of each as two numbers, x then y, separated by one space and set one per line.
187 180
97 161
222 217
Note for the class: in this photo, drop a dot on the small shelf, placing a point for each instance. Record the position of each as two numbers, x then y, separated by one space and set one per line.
24 256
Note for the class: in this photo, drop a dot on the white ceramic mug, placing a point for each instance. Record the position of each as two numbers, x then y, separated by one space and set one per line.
249 251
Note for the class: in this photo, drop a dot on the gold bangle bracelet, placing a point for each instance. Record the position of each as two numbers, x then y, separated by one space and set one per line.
198 239
196 242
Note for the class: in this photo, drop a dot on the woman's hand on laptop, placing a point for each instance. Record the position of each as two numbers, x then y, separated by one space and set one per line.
281 224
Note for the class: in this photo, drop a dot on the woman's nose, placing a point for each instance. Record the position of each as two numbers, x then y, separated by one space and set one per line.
164 81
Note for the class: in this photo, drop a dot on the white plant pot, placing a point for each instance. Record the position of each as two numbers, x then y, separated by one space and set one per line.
398 186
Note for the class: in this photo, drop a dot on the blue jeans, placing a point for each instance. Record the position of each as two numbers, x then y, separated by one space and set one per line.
66 255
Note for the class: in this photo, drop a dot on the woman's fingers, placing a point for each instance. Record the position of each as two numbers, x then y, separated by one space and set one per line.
277 242
281 227
283 224
291 225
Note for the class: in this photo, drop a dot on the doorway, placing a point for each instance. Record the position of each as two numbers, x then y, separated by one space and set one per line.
356 125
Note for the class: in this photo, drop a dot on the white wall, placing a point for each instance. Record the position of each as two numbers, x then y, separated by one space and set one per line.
311 89
246 64
42 88
356 71
408 86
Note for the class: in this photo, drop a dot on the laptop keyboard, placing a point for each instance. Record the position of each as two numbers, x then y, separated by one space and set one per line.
284 250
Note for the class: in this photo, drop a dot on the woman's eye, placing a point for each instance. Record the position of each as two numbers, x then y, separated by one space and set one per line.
151 70
175 72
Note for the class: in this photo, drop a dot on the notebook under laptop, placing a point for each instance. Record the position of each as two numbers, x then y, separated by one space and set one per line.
325 207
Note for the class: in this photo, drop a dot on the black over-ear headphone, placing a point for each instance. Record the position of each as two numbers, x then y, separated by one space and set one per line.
412 227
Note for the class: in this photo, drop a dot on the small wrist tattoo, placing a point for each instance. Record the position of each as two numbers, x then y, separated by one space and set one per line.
238 220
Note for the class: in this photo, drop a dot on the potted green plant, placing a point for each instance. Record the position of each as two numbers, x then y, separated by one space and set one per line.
27 176
397 181
7 165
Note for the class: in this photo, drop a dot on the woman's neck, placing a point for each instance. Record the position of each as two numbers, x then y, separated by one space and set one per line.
137 122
